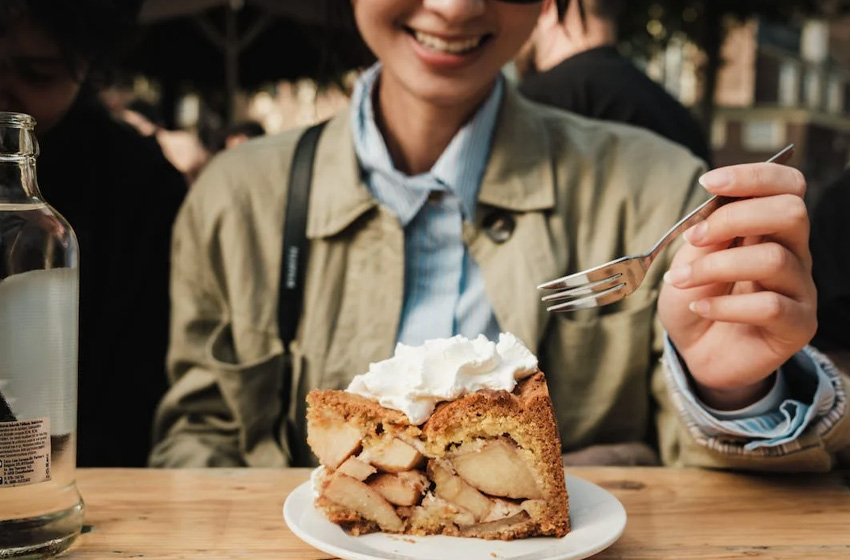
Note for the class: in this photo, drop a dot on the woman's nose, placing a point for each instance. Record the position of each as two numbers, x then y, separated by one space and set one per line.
456 10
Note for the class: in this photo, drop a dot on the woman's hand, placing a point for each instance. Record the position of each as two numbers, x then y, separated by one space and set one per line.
739 299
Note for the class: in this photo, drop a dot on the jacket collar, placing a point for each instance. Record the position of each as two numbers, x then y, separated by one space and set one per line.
338 194
519 174
518 177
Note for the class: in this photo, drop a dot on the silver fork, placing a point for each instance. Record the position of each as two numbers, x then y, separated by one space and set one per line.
617 279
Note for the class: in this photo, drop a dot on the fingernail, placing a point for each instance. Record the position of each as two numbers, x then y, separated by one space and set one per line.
700 307
716 179
696 233
678 274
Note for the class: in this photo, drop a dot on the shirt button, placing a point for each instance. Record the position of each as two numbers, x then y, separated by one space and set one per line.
499 226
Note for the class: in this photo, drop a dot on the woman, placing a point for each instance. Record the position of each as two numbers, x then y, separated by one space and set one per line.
438 203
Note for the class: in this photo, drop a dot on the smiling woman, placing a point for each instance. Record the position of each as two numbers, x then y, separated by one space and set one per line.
440 60
439 201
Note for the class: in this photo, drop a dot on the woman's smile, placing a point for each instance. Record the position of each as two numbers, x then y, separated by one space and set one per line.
446 51
443 52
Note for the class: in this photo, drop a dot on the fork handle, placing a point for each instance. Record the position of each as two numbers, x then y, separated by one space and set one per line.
702 212
705 209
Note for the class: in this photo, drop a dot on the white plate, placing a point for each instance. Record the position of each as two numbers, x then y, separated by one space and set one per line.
597 519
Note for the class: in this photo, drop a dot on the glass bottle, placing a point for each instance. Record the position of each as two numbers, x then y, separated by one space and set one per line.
41 511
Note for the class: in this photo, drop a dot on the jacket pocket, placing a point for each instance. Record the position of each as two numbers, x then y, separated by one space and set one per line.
598 374
251 388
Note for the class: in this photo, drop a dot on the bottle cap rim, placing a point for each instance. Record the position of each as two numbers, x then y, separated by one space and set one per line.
23 120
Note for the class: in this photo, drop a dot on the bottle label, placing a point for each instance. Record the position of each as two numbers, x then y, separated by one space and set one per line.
24 452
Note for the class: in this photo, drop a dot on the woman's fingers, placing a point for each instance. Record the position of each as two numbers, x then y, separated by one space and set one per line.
755 180
789 319
783 218
745 277
773 266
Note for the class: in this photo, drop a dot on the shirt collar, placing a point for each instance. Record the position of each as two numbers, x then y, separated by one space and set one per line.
459 168
519 176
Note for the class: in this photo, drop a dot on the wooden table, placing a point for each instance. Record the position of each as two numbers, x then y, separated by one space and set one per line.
682 514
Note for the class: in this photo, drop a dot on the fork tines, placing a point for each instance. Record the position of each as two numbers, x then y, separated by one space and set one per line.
598 286
592 275
587 288
594 299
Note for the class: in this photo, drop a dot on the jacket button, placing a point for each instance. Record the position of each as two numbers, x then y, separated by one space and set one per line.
435 197
499 226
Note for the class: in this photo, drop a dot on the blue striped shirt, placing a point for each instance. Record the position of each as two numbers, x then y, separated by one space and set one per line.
444 292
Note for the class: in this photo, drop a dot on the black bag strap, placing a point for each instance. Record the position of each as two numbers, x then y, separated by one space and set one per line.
293 262
295 246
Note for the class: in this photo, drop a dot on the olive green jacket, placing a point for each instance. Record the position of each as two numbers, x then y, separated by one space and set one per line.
560 194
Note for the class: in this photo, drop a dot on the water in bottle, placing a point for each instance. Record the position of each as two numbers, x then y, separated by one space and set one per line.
41 511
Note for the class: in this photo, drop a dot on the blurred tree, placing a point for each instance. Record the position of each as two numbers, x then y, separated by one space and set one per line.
648 25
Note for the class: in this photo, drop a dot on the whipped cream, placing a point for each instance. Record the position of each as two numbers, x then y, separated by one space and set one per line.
416 378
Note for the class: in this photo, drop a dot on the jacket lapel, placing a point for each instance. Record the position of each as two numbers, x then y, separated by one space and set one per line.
361 276
517 194
518 185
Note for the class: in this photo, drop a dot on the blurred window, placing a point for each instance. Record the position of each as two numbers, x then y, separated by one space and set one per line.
718 133
789 83
835 95
813 87
814 43
762 135
784 37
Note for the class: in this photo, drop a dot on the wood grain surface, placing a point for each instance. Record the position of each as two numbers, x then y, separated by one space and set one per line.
681 514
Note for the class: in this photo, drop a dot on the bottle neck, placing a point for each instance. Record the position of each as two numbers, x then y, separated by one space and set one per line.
18 182
18 150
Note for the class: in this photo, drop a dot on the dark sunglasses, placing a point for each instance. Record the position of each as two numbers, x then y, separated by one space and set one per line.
561 4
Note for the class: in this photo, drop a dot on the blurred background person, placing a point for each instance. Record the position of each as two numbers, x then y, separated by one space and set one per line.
235 134
120 195
571 62
143 116
183 148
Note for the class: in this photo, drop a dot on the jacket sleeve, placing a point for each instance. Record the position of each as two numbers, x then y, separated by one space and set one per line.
222 407
824 443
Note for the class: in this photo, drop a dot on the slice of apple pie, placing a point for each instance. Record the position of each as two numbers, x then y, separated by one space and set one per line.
456 437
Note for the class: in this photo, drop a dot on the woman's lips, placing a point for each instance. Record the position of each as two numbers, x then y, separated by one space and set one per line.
446 52
457 45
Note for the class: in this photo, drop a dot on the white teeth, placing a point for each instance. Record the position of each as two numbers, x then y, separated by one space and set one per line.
454 47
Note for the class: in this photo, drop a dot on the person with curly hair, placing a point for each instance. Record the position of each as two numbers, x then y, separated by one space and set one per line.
119 194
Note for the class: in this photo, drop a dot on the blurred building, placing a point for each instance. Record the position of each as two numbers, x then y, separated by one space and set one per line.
781 85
